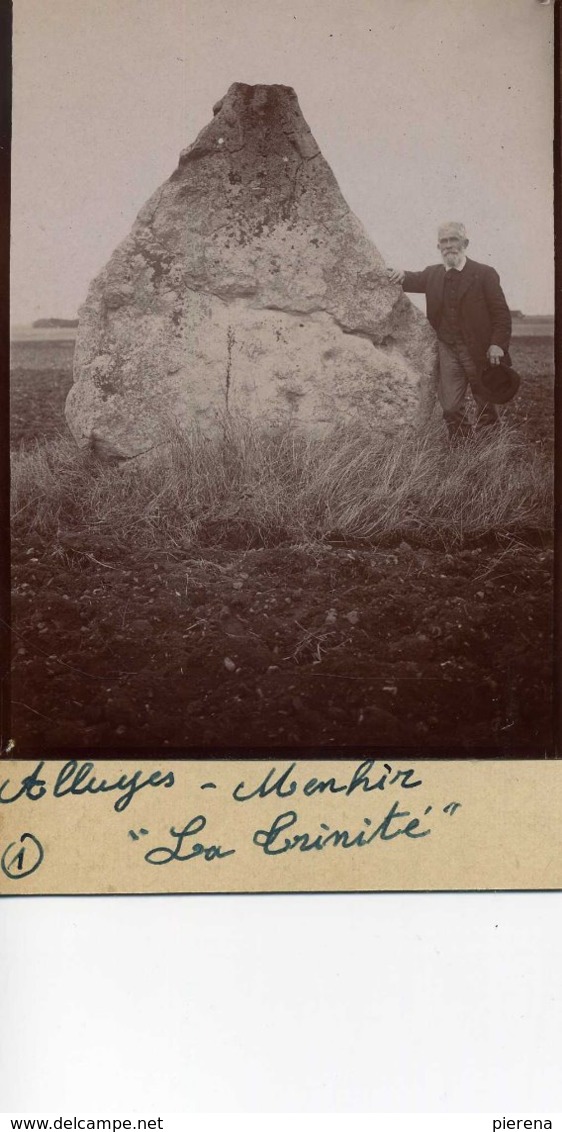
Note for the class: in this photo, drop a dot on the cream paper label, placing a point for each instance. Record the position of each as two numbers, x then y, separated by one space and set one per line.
276 825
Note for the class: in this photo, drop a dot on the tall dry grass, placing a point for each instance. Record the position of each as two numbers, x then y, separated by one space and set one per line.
253 488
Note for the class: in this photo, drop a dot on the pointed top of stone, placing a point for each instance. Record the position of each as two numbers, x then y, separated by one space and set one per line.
264 119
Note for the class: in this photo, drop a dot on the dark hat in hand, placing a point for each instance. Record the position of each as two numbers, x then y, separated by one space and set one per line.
499 383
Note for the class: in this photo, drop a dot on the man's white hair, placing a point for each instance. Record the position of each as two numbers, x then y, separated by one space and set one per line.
451 228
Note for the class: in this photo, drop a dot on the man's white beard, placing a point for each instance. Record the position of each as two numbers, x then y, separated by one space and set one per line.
452 259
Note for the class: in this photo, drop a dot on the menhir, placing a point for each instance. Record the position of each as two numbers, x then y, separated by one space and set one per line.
247 289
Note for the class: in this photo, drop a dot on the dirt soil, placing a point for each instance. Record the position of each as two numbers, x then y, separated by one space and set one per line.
318 647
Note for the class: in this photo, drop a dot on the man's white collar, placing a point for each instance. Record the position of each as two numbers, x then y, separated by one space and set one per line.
459 266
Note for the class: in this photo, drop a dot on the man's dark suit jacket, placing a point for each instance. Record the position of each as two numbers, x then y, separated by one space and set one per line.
483 312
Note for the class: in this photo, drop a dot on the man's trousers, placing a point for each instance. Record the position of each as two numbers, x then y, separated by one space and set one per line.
458 371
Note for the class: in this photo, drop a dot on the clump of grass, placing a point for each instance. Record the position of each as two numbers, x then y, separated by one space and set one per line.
257 487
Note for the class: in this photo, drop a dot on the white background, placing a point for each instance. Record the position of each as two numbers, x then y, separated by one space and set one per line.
348 1003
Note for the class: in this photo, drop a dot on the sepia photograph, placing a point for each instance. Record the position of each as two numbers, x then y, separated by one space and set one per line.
282 377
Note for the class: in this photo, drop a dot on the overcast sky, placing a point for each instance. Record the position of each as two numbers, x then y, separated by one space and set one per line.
425 109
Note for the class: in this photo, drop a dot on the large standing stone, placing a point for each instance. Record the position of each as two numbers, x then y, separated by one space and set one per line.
247 287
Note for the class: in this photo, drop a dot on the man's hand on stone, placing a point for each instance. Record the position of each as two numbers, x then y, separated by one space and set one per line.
395 276
494 355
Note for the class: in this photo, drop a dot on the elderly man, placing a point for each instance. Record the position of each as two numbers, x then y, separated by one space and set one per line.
468 311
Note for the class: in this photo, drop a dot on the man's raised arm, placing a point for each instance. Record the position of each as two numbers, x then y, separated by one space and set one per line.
409 280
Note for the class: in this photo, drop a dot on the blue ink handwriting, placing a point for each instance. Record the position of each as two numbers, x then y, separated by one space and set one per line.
272 841
22 860
163 854
282 785
79 778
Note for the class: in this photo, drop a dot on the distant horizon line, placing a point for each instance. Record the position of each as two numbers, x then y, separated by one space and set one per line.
30 326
